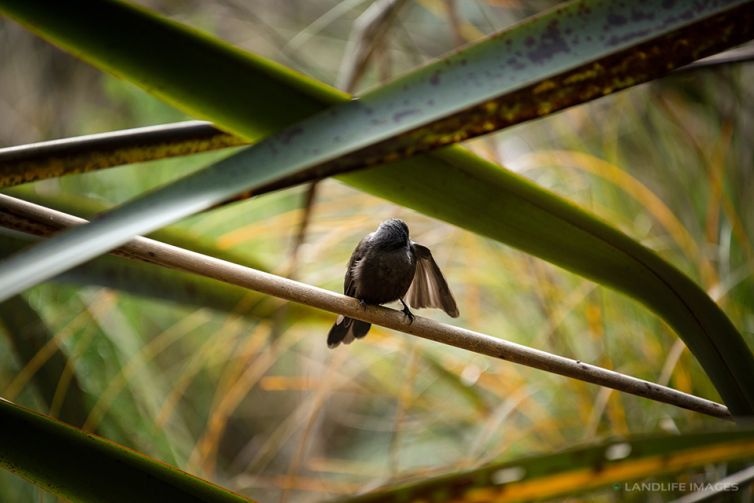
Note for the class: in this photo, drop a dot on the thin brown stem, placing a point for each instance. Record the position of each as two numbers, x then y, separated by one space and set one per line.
149 250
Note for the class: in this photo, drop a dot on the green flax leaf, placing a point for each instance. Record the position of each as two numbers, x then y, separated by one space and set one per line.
151 281
83 467
29 334
619 464
50 159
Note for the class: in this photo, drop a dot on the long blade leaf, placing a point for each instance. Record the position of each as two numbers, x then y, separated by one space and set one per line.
163 284
437 105
575 471
28 163
83 467
29 334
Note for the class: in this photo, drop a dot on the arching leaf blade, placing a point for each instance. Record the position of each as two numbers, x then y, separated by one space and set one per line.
29 334
150 281
615 463
102 471
51 159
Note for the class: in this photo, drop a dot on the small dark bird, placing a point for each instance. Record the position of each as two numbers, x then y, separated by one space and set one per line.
386 266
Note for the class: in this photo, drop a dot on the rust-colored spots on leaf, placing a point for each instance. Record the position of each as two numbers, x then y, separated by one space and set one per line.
594 79
490 107
90 153
544 86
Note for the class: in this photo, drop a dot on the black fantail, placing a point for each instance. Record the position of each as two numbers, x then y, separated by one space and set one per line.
387 266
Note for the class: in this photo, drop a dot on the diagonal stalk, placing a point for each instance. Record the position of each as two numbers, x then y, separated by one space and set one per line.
173 257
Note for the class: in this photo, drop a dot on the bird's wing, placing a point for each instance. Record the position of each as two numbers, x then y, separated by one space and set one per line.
349 285
429 288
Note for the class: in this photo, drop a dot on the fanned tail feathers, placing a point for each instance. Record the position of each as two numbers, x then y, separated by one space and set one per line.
345 330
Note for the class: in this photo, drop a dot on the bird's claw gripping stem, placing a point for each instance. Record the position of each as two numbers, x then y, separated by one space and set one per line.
407 312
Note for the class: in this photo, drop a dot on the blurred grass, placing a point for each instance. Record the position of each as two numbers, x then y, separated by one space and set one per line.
263 407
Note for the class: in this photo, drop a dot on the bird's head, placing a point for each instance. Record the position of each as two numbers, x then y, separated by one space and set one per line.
393 232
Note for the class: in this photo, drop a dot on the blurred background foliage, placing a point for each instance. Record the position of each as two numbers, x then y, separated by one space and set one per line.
250 396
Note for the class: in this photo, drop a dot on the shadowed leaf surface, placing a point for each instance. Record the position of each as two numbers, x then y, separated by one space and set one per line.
56 158
29 335
103 471
615 462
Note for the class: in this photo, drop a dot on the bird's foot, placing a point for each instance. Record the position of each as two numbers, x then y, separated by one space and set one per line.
408 313
363 304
